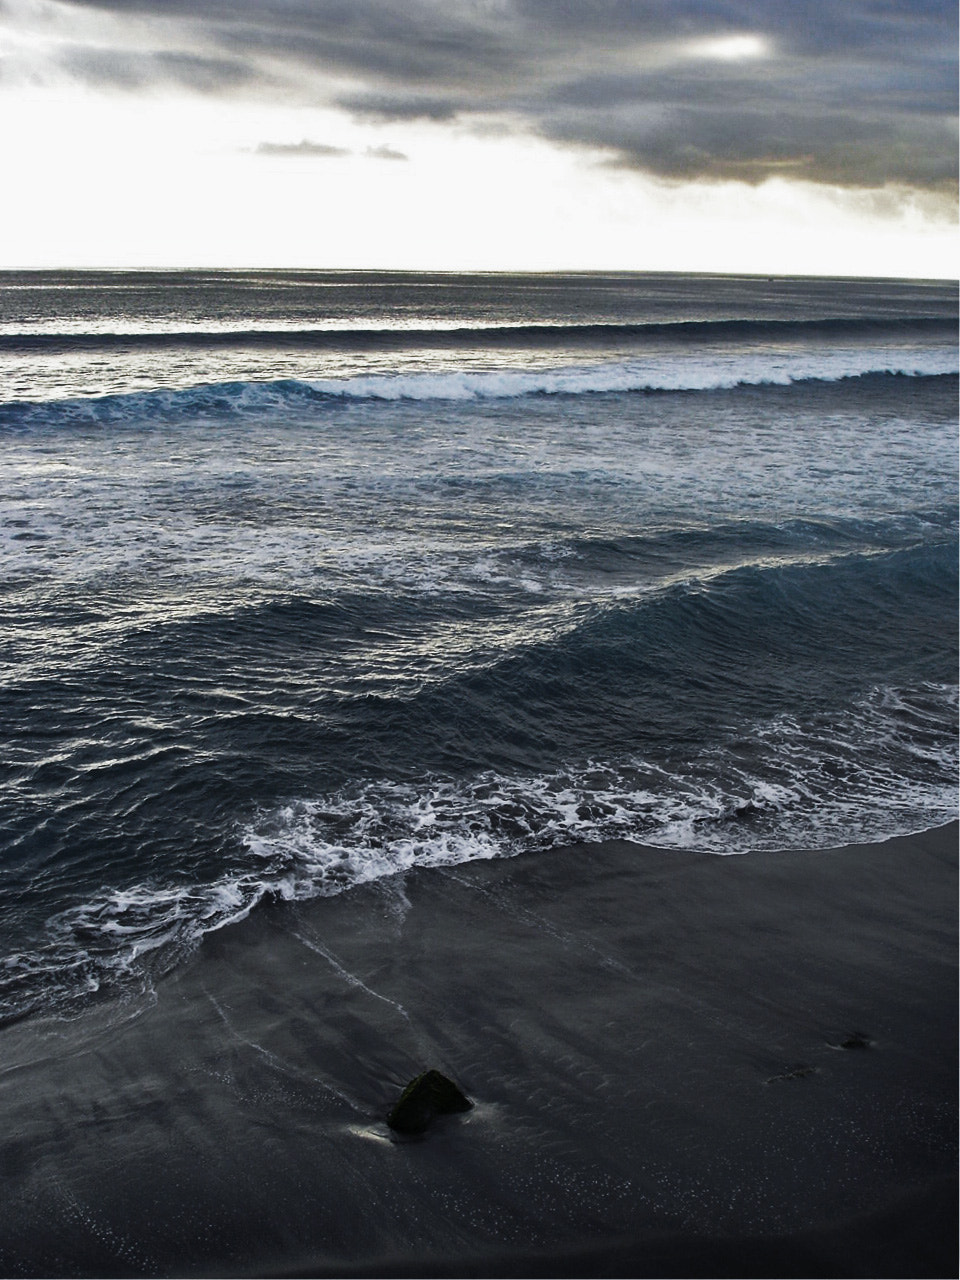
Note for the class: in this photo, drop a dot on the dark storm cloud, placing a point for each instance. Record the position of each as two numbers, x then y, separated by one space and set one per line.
124 69
396 106
861 92
735 123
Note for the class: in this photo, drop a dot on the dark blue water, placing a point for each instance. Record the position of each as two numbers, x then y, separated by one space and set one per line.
311 578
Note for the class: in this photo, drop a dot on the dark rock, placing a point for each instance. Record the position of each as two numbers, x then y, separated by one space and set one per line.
857 1041
426 1097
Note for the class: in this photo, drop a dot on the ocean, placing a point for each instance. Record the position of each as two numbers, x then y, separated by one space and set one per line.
310 579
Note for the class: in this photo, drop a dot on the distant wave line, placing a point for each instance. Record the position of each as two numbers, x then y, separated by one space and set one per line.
493 336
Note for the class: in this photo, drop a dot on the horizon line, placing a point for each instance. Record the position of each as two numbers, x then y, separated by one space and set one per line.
475 271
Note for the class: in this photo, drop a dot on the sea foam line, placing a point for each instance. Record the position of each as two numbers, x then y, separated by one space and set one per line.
717 373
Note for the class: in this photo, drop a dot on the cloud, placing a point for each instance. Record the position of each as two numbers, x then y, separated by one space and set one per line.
384 153
318 150
397 106
324 151
860 93
128 69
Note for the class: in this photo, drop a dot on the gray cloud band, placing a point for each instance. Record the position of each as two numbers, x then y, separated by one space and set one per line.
861 93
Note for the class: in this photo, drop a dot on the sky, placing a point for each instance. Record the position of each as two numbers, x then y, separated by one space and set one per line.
759 136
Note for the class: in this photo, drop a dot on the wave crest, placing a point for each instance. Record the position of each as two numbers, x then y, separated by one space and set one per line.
660 374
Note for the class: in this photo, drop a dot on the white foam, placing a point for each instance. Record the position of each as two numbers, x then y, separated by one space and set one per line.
885 767
183 389
707 371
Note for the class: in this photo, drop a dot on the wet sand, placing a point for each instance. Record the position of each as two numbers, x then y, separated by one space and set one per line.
654 1042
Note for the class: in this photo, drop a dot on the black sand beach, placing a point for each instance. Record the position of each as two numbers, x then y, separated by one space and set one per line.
654 1041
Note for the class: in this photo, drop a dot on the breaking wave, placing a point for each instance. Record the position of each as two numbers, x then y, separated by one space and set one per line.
789 786
719 372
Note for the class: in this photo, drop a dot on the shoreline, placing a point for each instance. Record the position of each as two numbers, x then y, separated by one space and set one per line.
654 1042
